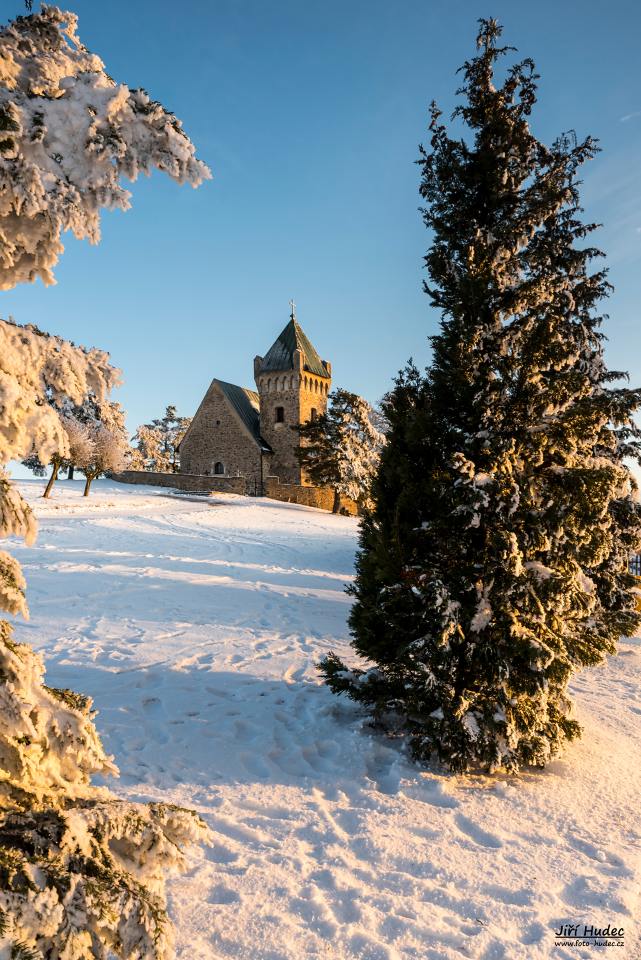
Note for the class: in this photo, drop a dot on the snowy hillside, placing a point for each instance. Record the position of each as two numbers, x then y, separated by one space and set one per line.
196 627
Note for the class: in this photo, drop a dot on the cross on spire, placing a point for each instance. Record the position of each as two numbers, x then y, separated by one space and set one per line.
293 313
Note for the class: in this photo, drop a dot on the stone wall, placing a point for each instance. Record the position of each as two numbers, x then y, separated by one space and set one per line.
194 483
320 497
280 390
217 435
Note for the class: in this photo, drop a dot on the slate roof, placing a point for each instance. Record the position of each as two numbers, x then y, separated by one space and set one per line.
245 403
280 355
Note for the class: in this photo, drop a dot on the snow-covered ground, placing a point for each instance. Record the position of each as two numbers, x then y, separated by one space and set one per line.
196 627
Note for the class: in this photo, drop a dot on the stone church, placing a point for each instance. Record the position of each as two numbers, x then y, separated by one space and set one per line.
238 432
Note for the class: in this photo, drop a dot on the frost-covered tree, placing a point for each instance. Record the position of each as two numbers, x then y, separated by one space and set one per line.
341 448
82 871
91 413
495 561
157 443
56 463
81 442
105 451
77 444
69 135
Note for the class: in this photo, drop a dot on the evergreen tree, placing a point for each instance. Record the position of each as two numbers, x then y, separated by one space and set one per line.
495 561
341 448
157 443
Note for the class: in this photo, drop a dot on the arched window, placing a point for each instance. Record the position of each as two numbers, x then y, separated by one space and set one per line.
313 413
219 468
269 383
280 414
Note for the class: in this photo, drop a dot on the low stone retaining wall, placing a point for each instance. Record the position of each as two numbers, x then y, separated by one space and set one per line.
191 482
320 497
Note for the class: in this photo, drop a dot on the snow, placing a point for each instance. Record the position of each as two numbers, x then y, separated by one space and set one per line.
196 625
539 569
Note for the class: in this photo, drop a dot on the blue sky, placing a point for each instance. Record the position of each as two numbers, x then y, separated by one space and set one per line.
309 114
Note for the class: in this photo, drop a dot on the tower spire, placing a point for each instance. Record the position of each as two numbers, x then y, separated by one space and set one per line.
292 315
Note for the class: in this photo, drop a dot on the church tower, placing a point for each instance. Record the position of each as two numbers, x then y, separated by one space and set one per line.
293 384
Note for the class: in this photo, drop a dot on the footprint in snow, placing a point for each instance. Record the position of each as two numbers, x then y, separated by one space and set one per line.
433 793
476 833
254 766
590 850
222 894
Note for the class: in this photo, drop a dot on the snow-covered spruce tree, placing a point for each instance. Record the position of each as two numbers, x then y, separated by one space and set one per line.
341 448
82 872
495 561
157 443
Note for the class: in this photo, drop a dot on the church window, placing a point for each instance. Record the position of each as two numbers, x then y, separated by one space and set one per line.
280 414
313 414
219 468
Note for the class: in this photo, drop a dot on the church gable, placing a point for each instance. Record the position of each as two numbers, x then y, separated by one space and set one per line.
246 403
224 436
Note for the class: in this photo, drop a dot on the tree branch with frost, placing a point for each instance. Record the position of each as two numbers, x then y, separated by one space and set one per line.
83 872
69 136
35 369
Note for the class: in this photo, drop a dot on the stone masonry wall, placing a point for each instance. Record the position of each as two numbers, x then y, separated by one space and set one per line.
320 497
184 481
280 390
217 435
313 396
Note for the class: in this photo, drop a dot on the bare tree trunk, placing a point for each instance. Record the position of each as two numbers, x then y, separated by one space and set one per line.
52 479
70 473
88 478
337 502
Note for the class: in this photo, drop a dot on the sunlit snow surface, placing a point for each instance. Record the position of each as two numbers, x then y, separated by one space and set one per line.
196 627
